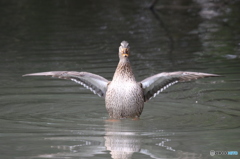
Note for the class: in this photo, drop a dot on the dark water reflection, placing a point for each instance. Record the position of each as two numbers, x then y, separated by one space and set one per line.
51 118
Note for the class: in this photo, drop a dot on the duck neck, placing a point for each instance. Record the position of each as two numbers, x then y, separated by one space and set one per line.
124 71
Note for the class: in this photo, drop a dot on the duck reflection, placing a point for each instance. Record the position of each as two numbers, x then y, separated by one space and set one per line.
122 139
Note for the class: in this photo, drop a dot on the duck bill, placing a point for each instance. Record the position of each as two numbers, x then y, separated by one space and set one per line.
125 52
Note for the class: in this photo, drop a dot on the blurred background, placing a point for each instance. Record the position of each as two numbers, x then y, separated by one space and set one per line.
42 117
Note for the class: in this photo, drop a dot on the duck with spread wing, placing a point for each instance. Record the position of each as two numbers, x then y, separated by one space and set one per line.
124 96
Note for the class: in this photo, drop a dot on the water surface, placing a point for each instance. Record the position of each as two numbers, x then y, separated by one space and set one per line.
42 117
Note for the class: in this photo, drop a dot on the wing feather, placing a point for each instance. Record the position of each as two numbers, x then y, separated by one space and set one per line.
155 84
93 82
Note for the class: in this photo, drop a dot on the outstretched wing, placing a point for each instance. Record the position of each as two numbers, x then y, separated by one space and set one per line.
96 83
155 84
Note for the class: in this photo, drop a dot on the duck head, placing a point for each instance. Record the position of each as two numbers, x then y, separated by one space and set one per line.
124 50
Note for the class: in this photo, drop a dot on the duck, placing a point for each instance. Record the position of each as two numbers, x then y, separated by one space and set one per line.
124 96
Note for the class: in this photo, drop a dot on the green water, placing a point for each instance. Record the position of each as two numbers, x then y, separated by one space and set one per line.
43 117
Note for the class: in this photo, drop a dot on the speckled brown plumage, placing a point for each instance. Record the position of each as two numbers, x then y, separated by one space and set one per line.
124 96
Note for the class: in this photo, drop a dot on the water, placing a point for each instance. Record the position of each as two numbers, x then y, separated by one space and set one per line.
42 117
